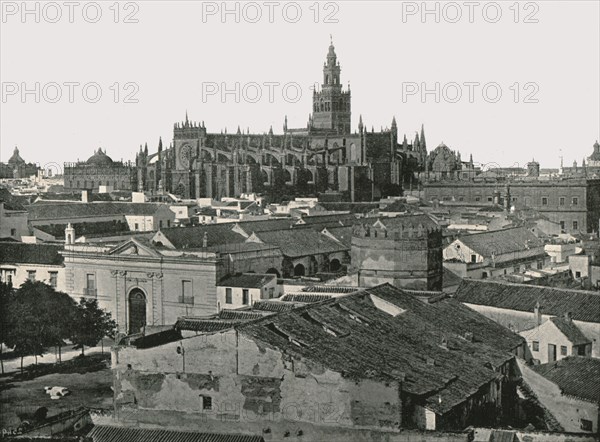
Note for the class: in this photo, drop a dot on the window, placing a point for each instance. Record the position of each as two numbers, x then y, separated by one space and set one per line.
586 425
490 199
90 284
561 201
186 292
228 296
160 224
271 292
577 274
245 297
31 275
562 225
206 402
473 258
535 346
575 225
53 278
544 201
581 350
563 350
168 223
477 198
137 227
461 198
540 265
13 232
575 201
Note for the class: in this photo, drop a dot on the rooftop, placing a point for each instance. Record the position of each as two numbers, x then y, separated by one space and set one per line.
247 280
583 305
301 242
571 331
500 242
21 253
354 335
104 433
575 376
73 210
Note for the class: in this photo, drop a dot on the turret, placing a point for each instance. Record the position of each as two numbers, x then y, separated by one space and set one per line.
69 235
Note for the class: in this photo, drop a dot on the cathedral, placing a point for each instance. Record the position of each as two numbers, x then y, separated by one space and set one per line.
16 167
326 155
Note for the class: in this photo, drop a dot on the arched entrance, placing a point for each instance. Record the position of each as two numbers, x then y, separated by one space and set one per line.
335 265
299 270
137 310
273 271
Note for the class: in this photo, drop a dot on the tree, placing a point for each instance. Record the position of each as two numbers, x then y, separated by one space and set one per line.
91 324
6 294
38 317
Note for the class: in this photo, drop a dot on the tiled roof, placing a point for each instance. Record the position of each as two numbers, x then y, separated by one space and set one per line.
575 376
351 207
407 220
353 336
304 297
104 433
583 305
243 315
193 237
570 330
20 253
500 242
247 280
203 325
342 234
451 279
86 210
330 289
273 306
301 242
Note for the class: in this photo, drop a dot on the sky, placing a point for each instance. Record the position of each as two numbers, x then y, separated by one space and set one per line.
507 82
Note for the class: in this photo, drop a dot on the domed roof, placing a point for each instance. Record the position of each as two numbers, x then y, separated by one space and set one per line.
596 154
100 159
16 158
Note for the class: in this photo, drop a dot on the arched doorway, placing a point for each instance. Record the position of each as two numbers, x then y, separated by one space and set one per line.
137 311
335 265
299 270
273 271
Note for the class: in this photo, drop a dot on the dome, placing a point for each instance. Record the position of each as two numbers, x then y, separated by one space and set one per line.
100 159
596 154
16 158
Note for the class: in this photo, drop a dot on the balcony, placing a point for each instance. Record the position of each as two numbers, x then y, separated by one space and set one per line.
90 293
186 300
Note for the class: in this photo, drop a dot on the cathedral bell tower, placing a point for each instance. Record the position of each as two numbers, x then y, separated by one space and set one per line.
331 105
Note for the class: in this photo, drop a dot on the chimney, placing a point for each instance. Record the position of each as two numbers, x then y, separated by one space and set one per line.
537 313
205 240
85 196
69 235
568 317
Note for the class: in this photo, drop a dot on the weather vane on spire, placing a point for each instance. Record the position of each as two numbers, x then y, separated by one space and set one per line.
331 39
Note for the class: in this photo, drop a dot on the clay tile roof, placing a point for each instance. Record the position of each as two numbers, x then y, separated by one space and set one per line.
203 325
75 210
247 280
193 237
104 433
583 305
501 241
304 297
354 335
20 253
301 242
575 376
571 331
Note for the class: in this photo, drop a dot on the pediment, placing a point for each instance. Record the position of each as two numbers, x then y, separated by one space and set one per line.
133 248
